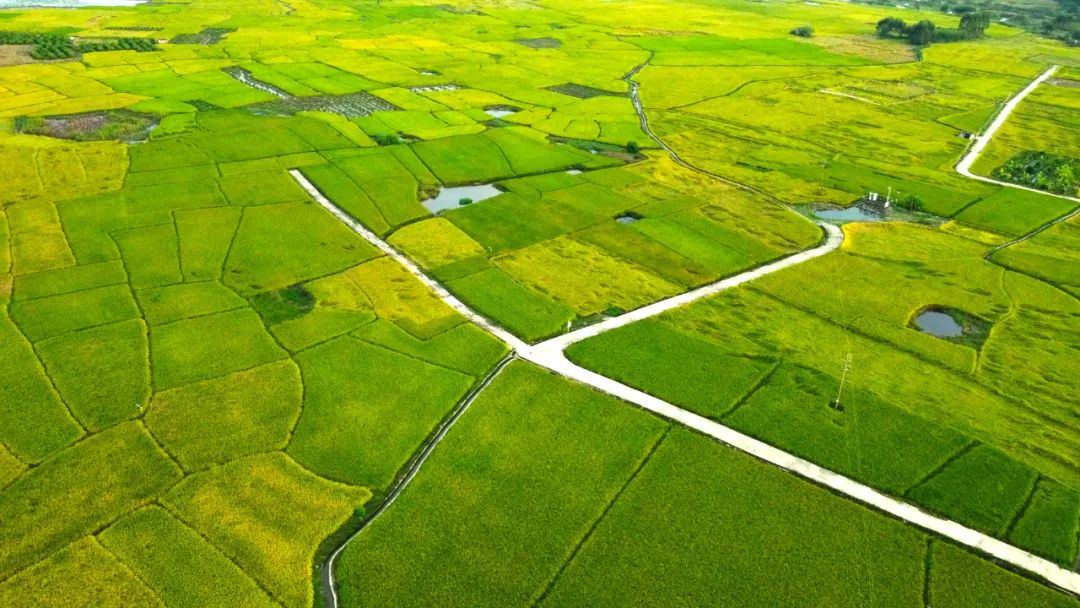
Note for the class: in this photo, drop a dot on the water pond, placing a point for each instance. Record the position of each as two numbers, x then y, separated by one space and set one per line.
452 198
850 214
940 324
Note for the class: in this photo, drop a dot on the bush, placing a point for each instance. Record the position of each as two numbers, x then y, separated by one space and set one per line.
891 26
1041 170
803 31
910 202
922 33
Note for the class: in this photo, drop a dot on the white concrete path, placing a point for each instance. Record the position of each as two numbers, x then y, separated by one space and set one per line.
834 237
981 141
550 355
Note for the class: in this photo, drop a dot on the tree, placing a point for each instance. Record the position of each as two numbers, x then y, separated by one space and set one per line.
632 147
803 31
890 26
910 202
922 33
973 25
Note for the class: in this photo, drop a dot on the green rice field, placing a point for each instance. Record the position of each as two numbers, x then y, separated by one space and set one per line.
215 393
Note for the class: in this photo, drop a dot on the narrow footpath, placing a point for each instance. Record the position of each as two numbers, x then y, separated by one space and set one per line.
329 583
550 355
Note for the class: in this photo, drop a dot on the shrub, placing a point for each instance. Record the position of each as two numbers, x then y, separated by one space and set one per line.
922 33
910 202
1041 170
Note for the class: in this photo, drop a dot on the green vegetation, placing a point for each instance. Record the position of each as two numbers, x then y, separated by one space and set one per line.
127 469
961 580
81 573
692 490
990 504
1048 525
522 508
353 405
267 514
151 542
180 354
784 342
972 26
94 126
217 420
206 376
514 487
1052 18
1057 174
60 46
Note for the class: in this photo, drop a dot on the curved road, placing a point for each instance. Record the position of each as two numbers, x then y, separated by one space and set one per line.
964 166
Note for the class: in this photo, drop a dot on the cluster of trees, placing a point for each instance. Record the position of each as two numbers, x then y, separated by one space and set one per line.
54 48
1042 170
141 45
1055 18
972 25
60 46
29 38
46 46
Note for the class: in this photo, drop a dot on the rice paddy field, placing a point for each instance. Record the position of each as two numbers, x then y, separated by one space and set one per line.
209 383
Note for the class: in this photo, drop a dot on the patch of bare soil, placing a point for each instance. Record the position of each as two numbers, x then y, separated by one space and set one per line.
15 54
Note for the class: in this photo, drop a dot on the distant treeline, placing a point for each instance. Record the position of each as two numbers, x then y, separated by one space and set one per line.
1053 18
972 26
61 46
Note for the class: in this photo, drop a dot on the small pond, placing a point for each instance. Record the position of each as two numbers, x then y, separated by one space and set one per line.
628 217
574 171
850 214
940 324
452 198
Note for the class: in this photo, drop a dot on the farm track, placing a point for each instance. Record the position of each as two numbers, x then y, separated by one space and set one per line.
964 166
407 475
643 120
549 355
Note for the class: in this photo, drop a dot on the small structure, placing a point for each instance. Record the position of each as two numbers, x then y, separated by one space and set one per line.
872 202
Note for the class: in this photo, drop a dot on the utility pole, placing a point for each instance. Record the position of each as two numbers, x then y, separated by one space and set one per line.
843 377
